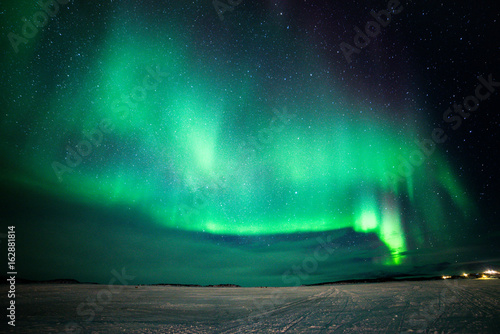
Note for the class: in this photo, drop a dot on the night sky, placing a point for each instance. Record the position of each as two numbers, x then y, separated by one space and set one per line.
259 143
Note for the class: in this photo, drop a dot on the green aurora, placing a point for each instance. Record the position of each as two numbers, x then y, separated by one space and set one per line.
224 144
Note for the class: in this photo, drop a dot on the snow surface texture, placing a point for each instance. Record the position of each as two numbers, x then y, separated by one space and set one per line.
447 306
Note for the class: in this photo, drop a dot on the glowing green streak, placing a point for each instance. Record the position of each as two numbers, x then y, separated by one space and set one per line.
392 235
326 170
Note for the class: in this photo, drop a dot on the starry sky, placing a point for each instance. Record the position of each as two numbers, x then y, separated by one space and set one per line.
255 143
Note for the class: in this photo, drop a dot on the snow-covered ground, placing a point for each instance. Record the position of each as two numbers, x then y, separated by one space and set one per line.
447 306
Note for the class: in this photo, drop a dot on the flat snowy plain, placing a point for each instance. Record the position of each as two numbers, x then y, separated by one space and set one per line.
443 306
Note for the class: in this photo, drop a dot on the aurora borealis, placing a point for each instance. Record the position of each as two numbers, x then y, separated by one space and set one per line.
188 149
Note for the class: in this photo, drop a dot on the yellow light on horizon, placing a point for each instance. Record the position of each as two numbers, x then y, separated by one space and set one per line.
491 272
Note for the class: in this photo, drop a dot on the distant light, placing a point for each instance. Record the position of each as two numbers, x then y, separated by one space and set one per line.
446 277
465 275
491 272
